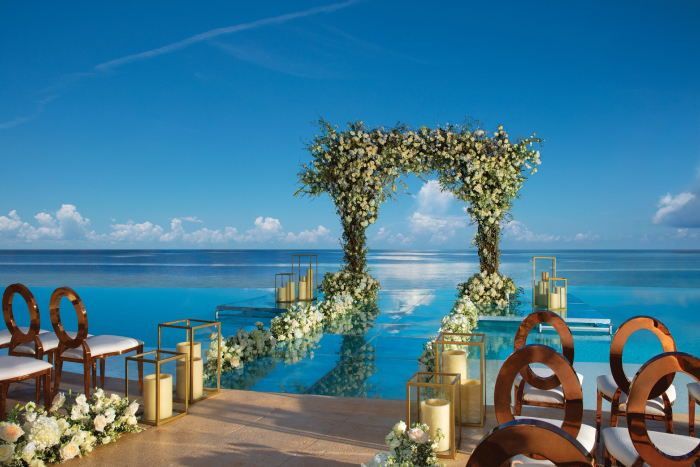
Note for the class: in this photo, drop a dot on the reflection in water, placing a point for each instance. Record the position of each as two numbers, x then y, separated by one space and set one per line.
403 302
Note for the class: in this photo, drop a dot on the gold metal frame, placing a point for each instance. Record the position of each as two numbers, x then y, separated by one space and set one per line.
290 278
158 362
313 265
553 272
190 329
465 339
455 415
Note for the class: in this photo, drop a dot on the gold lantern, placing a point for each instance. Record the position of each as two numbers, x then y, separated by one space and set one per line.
285 287
557 298
434 399
543 269
465 354
305 268
158 404
194 364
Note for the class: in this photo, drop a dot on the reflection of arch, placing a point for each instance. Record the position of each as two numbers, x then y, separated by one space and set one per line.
528 437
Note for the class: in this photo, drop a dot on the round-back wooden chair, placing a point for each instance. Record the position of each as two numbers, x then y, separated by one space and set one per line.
15 368
635 445
561 368
540 387
615 386
529 437
84 348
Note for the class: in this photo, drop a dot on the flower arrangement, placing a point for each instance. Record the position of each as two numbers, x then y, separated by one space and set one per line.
361 286
408 447
298 321
336 306
33 436
294 350
240 348
489 289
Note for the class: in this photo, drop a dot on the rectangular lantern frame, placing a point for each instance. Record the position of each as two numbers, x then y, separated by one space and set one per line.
446 384
158 358
285 287
466 342
557 298
309 277
191 326
540 288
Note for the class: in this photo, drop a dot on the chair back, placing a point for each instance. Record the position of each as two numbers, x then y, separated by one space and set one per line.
535 353
626 329
529 437
565 336
18 336
645 381
65 340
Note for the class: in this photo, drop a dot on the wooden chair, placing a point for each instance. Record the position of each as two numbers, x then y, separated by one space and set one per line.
585 435
83 348
541 387
529 437
614 387
12 368
693 398
634 445
6 334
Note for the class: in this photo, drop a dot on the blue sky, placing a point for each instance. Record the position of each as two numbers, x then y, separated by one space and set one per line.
183 124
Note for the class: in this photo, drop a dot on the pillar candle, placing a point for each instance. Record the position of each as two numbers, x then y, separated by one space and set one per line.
303 289
149 396
471 401
310 282
455 361
436 414
554 301
184 347
281 294
291 292
562 297
197 379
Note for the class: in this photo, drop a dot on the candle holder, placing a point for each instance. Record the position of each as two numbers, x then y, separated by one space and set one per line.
195 390
465 354
158 407
543 269
434 399
307 277
285 288
557 298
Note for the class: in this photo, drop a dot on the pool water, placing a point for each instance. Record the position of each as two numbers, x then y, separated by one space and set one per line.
128 293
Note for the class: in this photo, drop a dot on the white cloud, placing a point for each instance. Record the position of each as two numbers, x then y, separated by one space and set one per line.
66 224
586 237
681 210
385 235
516 230
431 198
430 217
316 235
135 232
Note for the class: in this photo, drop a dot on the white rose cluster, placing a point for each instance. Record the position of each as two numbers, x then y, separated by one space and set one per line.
408 447
238 349
298 321
361 287
35 437
492 289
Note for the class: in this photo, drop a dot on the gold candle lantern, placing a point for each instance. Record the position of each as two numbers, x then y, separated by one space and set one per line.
558 289
434 399
305 268
193 361
158 404
285 290
464 354
544 268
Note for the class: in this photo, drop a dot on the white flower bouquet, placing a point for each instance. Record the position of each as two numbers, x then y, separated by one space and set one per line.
489 289
298 321
408 447
240 348
34 437
362 287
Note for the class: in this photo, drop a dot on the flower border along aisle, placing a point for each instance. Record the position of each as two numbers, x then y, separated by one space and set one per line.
33 437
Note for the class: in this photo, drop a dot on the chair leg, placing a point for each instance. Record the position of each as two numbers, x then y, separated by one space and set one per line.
102 372
669 420
58 370
140 366
691 415
47 390
598 412
37 389
3 399
87 370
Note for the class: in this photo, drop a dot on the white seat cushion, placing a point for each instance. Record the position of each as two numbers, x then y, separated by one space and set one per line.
606 385
15 367
102 345
694 390
619 445
586 435
548 396
5 335
49 342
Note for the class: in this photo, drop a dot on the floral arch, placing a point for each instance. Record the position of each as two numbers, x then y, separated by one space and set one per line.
361 167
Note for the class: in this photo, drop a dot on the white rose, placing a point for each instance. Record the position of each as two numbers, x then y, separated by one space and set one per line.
10 432
100 423
6 452
133 408
28 452
69 451
417 435
400 428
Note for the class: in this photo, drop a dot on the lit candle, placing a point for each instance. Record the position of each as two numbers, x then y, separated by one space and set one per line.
184 347
165 399
471 401
197 379
436 414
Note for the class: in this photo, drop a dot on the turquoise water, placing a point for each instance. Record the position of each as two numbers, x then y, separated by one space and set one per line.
129 292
